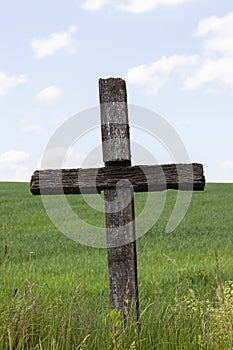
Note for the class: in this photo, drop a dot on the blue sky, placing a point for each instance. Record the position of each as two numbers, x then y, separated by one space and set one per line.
176 56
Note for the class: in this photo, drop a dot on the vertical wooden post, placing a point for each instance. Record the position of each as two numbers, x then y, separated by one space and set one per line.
119 203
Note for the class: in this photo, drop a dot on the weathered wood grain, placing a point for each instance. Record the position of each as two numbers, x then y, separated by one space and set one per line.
114 121
120 225
142 178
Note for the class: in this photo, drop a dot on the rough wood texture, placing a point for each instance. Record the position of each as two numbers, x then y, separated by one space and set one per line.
120 225
114 121
144 178
121 245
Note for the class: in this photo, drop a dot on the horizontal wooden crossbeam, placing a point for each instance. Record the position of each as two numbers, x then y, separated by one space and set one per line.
142 178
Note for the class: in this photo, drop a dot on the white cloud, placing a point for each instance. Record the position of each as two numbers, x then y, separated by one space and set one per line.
71 157
141 6
12 166
156 74
8 82
22 173
217 60
225 170
184 122
53 158
227 164
218 33
88 159
29 127
49 94
43 47
12 158
211 91
133 6
94 5
213 68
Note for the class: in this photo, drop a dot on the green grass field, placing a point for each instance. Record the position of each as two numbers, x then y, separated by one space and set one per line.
54 292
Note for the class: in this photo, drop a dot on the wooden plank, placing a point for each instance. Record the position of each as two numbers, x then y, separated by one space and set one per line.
120 225
157 178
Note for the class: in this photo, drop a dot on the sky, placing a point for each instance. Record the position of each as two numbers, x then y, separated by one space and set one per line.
175 55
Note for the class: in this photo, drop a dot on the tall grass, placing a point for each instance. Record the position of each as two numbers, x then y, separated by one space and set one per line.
54 293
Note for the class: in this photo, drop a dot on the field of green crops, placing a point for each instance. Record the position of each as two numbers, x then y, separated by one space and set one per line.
54 292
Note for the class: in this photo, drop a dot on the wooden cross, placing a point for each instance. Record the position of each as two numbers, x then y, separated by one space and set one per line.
120 224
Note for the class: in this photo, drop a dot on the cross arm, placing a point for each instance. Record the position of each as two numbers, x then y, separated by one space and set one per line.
142 178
